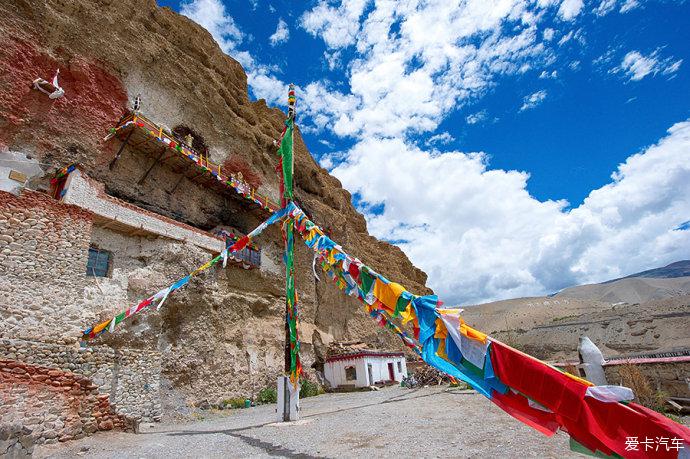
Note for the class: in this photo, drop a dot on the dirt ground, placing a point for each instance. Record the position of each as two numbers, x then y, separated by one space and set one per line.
393 422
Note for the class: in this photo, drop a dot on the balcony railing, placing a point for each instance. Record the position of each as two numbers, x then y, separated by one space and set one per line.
148 131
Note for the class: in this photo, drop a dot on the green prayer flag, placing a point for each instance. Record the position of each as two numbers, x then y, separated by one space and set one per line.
580 448
401 305
366 280
285 152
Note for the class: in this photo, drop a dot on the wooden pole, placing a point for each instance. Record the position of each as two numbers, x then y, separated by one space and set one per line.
141 180
122 147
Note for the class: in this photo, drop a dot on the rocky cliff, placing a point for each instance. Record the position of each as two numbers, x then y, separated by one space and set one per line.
215 335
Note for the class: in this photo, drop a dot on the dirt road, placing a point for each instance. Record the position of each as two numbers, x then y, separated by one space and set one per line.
393 422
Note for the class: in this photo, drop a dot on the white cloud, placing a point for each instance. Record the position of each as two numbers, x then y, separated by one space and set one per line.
605 7
475 118
212 15
337 26
548 34
545 75
576 35
569 9
565 38
440 55
266 86
574 65
333 59
282 33
629 5
443 138
672 68
505 243
533 100
636 66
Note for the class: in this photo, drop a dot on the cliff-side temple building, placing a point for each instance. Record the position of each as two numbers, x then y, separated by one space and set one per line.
74 249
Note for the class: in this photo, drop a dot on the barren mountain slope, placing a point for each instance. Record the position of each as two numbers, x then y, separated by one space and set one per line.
549 327
630 290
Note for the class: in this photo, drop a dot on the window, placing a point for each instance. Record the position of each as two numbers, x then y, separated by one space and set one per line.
350 373
98 264
250 255
399 367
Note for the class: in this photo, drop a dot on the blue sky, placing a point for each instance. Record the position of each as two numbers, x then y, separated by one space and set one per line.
519 120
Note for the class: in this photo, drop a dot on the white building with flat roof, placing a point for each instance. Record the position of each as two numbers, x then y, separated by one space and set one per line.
364 368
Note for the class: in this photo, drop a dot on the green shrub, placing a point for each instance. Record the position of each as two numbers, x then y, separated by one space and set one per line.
310 389
237 402
267 395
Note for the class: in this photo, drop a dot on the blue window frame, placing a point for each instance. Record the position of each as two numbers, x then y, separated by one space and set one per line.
98 263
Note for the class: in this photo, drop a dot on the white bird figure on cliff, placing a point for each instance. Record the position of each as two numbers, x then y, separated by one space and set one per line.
53 90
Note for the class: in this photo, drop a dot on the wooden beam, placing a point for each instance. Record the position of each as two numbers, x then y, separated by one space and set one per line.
108 223
139 231
675 405
141 180
119 152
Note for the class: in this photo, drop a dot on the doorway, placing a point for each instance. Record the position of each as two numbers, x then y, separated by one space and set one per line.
391 372
370 372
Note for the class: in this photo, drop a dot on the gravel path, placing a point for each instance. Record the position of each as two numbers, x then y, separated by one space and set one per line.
393 422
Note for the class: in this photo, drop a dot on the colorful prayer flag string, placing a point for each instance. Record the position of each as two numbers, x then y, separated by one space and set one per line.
110 324
528 389
63 172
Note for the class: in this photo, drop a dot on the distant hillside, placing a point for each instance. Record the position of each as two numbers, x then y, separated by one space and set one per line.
654 284
677 269
655 318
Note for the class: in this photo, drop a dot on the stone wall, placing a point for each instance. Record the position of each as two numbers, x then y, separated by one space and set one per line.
96 363
43 251
131 377
137 388
54 405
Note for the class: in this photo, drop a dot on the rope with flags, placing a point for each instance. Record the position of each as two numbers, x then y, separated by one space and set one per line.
599 419
110 324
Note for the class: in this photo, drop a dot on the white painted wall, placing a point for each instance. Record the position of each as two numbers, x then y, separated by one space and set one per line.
84 193
17 161
334 371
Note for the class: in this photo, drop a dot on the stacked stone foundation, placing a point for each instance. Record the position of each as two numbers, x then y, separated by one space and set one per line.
53 405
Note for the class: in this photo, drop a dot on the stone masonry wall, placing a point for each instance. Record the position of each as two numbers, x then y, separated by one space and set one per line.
54 405
137 392
96 363
130 376
43 251
46 299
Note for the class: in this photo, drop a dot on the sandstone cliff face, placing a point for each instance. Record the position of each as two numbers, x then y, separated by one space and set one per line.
217 338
